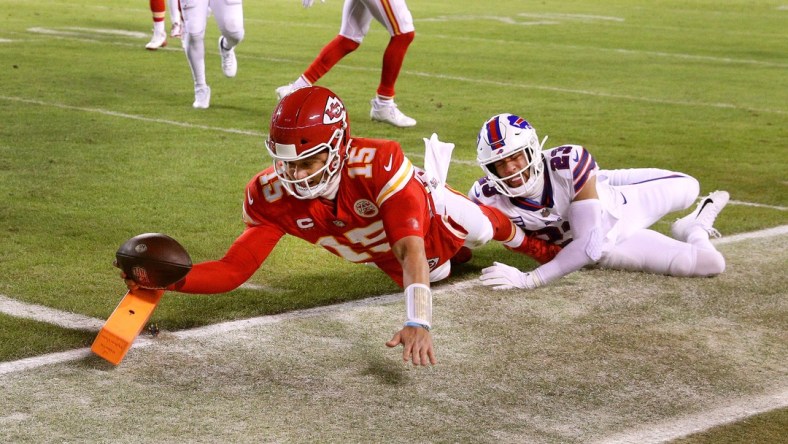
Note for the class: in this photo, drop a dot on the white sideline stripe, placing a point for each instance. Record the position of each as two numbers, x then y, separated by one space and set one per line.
750 204
658 433
769 232
38 361
221 328
669 430
132 116
40 313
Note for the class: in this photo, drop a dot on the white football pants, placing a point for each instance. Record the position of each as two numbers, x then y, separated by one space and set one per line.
230 19
358 14
640 249
469 216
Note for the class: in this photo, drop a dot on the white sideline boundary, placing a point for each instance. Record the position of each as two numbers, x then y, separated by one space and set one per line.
699 422
226 327
75 321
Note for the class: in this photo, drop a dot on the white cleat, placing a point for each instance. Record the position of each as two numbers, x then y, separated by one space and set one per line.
176 31
229 64
284 90
704 215
202 97
389 113
157 41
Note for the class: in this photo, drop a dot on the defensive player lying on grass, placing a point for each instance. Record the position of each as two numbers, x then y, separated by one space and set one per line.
598 216
362 200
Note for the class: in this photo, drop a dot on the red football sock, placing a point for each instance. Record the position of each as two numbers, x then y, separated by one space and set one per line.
329 56
158 9
538 249
504 231
503 228
392 62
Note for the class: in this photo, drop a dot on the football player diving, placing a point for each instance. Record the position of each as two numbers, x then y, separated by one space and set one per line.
362 200
597 216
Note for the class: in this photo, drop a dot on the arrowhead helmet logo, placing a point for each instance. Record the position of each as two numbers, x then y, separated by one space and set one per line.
334 112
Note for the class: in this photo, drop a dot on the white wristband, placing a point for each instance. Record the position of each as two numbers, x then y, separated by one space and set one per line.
531 280
418 304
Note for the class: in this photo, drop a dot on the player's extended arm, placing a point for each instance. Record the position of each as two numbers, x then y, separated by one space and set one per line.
585 213
240 262
415 336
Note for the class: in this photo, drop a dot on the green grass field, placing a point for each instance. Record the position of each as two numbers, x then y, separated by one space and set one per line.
99 142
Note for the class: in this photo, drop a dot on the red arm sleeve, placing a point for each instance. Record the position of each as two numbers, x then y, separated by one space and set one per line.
240 262
405 213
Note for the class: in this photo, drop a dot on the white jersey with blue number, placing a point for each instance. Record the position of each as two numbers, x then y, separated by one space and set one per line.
567 169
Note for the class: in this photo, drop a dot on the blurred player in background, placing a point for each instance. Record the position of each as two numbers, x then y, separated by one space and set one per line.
598 216
362 200
356 18
157 8
229 17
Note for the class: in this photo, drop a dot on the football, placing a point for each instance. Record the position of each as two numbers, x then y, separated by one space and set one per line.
153 260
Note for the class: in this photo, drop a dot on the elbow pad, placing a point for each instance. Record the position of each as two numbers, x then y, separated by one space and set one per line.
585 218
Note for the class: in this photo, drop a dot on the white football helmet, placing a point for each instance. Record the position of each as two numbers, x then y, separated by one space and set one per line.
505 135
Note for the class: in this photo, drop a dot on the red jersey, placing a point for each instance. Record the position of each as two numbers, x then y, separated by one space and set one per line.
380 200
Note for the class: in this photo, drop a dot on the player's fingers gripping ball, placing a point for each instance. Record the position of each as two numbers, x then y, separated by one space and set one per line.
153 260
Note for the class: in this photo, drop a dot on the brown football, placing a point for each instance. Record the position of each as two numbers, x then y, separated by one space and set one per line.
153 260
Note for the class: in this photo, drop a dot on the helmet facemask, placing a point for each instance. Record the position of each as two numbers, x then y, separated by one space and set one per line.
327 174
504 136
530 175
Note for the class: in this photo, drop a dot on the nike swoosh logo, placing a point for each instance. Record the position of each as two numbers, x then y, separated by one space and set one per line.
388 167
705 202
249 198
625 198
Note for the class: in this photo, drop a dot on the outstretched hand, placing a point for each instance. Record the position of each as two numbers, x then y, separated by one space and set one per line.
129 283
416 345
504 277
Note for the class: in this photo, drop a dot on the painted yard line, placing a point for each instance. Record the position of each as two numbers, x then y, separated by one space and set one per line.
523 85
750 204
616 21
41 313
132 116
596 93
238 131
735 411
769 232
636 52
